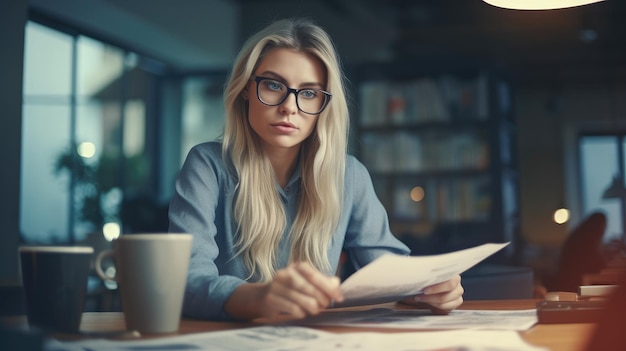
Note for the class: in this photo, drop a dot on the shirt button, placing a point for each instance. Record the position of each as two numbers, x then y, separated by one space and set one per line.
287 189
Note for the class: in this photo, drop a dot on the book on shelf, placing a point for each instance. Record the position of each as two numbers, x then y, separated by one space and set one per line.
396 104
424 100
466 99
373 103
408 155
406 151
462 200
377 152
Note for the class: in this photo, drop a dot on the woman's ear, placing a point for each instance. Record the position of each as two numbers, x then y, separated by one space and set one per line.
244 94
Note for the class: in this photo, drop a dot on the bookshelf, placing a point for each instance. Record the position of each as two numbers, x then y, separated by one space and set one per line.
440 149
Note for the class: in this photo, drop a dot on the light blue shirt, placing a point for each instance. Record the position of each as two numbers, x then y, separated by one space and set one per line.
202 206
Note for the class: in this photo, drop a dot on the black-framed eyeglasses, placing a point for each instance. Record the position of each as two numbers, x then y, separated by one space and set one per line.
272 92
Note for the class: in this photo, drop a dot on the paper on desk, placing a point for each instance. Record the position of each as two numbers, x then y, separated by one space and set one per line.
292 338
456 340
394 277
424 319
263 338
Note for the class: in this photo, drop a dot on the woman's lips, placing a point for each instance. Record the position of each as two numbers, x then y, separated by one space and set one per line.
285 127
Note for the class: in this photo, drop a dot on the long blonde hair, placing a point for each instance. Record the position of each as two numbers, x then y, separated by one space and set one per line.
257 209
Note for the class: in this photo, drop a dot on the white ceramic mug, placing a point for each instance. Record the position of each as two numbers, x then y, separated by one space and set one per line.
151 272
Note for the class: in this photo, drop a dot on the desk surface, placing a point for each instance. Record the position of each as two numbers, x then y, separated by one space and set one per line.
557 337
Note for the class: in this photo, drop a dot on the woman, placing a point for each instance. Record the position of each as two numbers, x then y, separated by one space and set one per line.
272 206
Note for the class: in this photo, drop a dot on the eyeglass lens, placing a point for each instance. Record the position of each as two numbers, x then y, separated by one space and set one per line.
272 92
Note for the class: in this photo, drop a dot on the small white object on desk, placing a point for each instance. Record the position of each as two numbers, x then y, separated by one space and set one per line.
595 290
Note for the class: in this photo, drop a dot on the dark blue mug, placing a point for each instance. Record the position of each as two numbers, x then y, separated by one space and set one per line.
54 279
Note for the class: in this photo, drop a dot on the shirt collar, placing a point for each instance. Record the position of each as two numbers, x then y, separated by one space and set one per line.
296 175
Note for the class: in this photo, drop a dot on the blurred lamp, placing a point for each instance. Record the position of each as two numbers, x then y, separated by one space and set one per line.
538 4
561 216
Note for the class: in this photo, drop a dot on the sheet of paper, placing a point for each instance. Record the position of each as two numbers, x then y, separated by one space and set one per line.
293 338
264 338
456 340
394 277
424 319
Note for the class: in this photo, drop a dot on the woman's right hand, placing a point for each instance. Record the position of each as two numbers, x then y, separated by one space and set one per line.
297 291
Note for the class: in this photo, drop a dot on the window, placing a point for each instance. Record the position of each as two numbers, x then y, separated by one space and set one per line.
203 110
602 166
88 136
46 131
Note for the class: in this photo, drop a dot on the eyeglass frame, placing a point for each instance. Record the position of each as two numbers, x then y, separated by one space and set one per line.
293 91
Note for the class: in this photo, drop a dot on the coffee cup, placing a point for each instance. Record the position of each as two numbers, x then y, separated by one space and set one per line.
54 279
151 273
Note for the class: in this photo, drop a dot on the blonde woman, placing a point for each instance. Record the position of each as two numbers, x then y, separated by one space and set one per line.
273 205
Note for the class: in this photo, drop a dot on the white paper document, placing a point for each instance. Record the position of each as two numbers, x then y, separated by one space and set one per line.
424 319
394 277
264 338
293 338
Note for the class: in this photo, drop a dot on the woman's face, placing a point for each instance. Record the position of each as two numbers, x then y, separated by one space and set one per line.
284 126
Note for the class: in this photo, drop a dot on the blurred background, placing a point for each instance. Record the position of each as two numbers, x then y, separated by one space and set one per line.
478 124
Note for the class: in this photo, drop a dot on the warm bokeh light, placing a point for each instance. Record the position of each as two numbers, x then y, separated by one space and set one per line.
538 4
86 149
417 194
561 215
111 231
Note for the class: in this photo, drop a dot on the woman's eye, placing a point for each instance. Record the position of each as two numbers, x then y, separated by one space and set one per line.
273 85
308 94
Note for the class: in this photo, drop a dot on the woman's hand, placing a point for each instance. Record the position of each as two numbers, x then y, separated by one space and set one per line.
441 298
298 290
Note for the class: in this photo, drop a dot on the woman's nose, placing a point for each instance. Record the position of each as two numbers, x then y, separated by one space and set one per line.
290 105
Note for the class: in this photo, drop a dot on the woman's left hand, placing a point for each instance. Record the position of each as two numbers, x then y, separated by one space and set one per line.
441 298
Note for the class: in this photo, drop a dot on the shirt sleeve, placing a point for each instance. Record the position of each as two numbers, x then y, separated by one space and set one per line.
368 235
193 210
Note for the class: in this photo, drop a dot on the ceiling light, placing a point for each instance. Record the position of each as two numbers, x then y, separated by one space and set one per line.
538 4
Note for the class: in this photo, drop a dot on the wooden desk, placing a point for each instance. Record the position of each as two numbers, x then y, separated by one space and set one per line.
556 337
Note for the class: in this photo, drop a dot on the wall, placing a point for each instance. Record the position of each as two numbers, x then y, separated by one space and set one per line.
12 22
541 166
358 35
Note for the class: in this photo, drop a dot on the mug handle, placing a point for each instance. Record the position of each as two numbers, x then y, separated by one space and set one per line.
98 265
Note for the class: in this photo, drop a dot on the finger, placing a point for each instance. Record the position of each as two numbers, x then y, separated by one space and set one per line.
329 287
294 278
445 301
446 307
290 285
276 304
444 286
442 297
